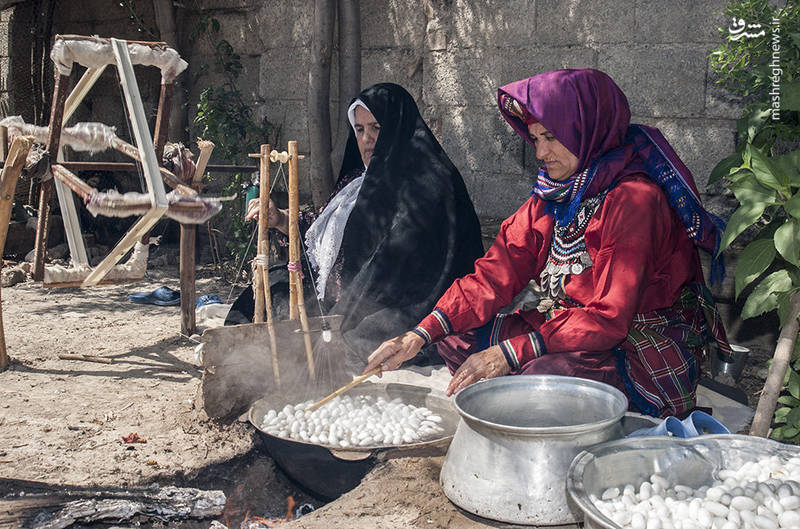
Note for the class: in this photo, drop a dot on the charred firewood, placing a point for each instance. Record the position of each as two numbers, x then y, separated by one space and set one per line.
60 510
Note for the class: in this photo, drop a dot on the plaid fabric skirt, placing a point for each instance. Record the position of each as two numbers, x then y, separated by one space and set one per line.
657 365
660 359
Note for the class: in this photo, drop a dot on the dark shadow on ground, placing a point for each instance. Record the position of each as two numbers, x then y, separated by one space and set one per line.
148 362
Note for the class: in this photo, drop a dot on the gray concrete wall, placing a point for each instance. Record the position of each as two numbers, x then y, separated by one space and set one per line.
452 55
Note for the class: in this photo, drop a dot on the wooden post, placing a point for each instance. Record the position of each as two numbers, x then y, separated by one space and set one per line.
188 290
159 139
296 278
263 249
188 245
46 191
294 232
3 143
8 183
162 119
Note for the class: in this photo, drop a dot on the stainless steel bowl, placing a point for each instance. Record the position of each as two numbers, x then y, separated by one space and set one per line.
691 462
516 440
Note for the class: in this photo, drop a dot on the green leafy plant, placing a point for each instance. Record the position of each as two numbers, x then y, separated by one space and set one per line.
764 173
224 117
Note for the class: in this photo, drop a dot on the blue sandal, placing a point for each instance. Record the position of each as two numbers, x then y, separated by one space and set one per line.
164 296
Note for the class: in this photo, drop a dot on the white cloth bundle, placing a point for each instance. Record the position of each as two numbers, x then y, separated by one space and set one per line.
96 52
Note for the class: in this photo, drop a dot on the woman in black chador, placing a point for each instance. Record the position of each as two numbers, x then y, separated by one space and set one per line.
397 230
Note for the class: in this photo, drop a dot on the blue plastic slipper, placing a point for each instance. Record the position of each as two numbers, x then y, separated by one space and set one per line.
207 299
160 296
669 426
699 423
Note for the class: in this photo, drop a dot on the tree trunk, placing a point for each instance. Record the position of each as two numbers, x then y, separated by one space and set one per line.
165 22
319 119
349 71
777 372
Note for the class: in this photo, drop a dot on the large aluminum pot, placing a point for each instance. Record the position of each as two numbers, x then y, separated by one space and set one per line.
692 462
517 437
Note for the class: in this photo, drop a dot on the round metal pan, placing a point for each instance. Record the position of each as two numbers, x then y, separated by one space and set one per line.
329 471
693 462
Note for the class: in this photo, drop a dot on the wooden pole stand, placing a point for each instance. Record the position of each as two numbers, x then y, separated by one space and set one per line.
8 183
261 270
296 277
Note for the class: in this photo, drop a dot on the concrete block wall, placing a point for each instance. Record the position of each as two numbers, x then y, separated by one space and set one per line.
453 54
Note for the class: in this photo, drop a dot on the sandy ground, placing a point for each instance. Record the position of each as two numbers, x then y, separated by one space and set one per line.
62 421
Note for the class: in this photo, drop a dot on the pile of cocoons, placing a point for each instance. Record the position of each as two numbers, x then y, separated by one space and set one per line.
356 421
761 494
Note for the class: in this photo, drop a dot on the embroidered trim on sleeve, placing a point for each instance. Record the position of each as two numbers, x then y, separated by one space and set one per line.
441 317
510 354
537 343
419 331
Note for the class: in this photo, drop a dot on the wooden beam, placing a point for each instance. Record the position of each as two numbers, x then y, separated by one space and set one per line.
134 234
133 100
76 97
8 183
69 214
162 118
127 166
188 287
155 185
46 192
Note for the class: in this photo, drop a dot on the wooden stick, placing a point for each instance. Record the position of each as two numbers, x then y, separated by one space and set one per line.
294 231
173 181
259 282
301 308
46 190
187 279
86 358
297 277
150 44
347 387
131 167
8 183
777 371
206 147
162 118
263 249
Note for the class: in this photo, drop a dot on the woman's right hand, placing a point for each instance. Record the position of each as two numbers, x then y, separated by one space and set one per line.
276 219
391 353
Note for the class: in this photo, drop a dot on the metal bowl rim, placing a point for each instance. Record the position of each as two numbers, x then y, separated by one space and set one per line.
577 490
618 396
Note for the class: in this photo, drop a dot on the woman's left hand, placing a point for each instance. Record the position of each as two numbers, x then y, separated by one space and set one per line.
488 363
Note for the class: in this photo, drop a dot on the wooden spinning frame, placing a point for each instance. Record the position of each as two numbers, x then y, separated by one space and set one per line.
146 151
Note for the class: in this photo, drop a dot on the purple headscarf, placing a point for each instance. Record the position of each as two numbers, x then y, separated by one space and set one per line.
588 113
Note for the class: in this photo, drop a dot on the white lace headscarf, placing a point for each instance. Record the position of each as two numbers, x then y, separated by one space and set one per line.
324 237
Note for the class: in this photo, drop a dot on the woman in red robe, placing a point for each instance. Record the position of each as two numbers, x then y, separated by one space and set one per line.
609 243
